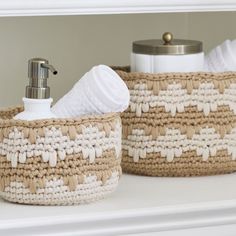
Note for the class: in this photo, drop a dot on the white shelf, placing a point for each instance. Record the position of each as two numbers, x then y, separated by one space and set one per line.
81 7
141 205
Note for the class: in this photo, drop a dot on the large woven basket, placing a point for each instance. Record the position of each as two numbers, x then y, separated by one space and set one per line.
59 161
179 124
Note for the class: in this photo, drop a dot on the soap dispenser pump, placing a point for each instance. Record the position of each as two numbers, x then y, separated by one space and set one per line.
37 100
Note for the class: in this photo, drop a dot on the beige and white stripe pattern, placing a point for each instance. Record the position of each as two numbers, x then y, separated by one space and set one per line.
90 142
207 143
56 193
175 99
61 161
179 124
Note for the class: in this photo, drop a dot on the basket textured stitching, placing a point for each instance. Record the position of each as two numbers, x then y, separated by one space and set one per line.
60 161
179 124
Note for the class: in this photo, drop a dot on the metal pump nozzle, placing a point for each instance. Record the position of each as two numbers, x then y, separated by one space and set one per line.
50 67
38 74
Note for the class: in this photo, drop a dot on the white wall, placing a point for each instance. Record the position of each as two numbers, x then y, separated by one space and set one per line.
73 44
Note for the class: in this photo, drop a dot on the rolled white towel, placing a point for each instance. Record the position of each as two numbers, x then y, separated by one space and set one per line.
99 91
222 58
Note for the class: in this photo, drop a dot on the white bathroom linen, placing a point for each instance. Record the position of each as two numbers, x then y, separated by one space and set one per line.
99 91
221 58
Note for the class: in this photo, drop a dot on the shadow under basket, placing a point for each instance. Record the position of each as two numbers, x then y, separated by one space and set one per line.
179 124
59 161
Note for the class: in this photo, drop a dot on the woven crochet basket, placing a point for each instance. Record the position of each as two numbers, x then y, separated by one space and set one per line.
59 161
179 124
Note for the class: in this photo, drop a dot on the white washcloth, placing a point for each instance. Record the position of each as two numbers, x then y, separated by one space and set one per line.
99 91
222 58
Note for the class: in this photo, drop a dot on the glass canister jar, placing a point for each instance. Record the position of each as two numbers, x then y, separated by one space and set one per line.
167 55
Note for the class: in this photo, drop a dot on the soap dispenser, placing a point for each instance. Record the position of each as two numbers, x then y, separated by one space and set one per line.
37 100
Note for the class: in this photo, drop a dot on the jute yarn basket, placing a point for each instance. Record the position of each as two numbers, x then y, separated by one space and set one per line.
179 124
59 161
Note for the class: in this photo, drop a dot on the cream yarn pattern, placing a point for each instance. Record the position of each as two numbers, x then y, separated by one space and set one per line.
59 161
179 124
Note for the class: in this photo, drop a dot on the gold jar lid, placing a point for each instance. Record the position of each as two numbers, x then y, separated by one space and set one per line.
167 46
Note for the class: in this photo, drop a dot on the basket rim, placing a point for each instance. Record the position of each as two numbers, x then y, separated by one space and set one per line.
125 70
53 121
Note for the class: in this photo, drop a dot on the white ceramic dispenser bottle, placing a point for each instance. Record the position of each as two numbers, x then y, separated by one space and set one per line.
37 100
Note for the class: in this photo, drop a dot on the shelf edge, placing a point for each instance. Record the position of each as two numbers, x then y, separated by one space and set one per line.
127 221
92 7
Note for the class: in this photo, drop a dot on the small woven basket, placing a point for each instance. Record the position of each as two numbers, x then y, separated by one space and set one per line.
179 124
59 161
